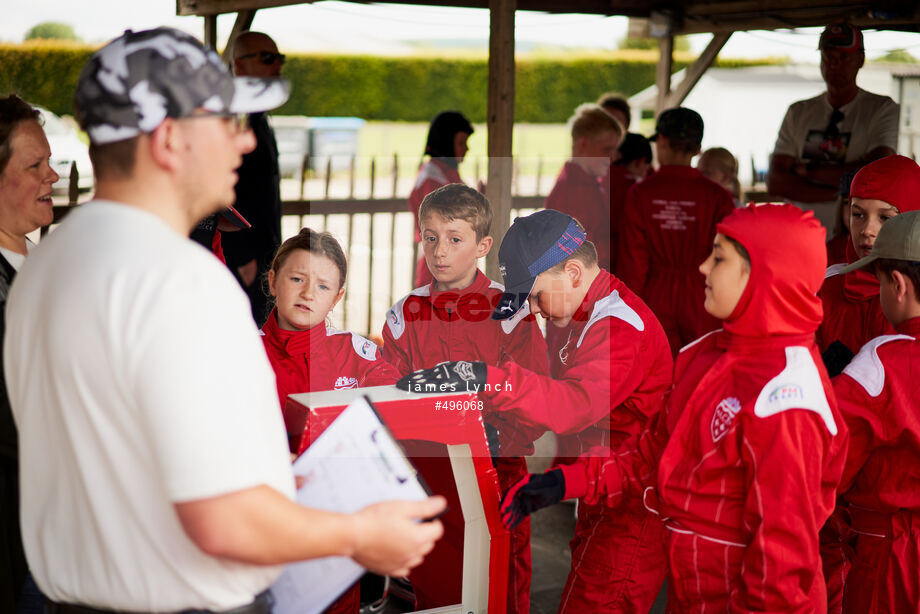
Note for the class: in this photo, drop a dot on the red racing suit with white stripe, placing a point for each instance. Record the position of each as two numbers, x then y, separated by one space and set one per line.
880 490
852 311
610 368
427 327
322 359
743 464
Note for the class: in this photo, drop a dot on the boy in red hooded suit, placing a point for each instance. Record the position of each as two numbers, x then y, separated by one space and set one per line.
852 313
743 463
879 397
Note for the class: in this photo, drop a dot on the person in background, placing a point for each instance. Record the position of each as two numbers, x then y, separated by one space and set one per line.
618 106
446 147
880 191
839 130
669 222
635 160
249 251
582 188
26 180
879 398
719 165
155 468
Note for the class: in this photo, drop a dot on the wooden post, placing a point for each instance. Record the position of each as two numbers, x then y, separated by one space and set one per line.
663 76
243 22
210 31
695 71
500 122
73 188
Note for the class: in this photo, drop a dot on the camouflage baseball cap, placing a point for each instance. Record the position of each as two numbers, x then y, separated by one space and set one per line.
129 86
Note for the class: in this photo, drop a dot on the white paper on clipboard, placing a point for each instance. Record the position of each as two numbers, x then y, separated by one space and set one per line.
355 462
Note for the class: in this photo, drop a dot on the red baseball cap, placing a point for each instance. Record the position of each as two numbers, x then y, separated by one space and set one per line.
842 36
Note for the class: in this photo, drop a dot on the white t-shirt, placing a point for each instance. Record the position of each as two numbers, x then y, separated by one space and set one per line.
137 380
869 121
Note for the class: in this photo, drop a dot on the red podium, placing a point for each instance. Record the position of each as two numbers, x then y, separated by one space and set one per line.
412 416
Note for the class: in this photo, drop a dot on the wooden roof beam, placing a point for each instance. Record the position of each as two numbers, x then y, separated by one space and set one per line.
500 118
695 71
243 22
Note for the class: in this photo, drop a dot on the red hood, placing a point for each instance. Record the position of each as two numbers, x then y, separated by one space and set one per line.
788 261
893 179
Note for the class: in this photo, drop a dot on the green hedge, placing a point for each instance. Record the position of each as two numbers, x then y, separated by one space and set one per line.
375 88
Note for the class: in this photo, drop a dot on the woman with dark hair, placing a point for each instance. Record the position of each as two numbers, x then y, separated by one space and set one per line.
26 178
447 147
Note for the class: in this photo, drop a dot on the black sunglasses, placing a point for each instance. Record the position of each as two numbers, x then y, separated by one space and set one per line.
266 57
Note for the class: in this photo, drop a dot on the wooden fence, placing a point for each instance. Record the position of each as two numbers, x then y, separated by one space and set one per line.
376 233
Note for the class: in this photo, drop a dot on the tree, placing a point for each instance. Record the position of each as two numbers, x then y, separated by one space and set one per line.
53 30
681 43
898 55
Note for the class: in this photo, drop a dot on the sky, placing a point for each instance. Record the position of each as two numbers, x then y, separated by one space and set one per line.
392 29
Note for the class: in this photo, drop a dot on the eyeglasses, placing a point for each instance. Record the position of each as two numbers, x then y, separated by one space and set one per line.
266 57
237 122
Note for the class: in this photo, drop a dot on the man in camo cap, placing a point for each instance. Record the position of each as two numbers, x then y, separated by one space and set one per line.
151 480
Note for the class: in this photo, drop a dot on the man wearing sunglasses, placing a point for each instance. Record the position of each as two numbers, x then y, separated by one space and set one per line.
836 132
258 198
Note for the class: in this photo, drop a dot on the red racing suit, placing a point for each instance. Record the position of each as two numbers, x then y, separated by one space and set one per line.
427 327
880 489
324 359
432 175
669 224
620 182
587 199
852 311
608 375
743 464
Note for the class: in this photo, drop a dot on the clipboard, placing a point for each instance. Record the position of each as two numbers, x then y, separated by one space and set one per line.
354 463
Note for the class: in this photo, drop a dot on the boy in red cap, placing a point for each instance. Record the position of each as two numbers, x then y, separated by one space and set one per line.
879 397
448 319
610 366
670 220
743 463
582 189
852 313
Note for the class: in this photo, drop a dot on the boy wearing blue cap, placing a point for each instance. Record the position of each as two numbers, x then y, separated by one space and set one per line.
610 365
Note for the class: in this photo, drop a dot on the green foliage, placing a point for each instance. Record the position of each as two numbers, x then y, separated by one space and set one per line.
547 89
43 73
897 55
681 43
52 30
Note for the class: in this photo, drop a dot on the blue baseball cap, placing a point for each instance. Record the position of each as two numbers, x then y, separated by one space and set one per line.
534 244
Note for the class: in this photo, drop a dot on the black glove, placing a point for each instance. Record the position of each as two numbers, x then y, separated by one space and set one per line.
457 376
836 358
531 493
